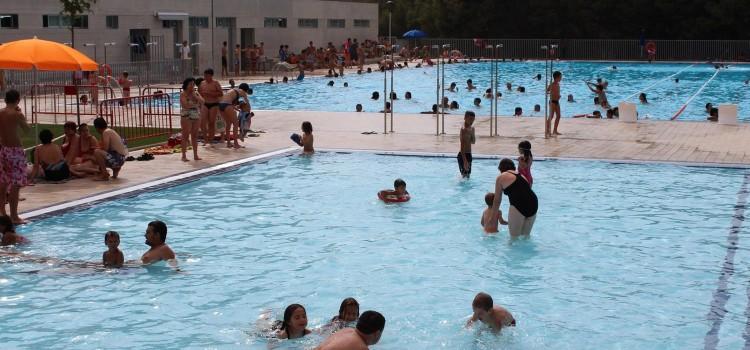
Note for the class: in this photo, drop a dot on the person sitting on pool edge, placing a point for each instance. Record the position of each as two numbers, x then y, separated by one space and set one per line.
495 316
113 257
112 151
156 237
487 213
368 332
8 232
294 324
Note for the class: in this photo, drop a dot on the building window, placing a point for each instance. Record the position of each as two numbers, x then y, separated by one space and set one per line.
336 23
200 22
8 21
274 22
171 24
113 22
362 23
59 21
226 22
307 23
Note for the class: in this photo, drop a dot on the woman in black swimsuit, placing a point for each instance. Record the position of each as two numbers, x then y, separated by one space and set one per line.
523 201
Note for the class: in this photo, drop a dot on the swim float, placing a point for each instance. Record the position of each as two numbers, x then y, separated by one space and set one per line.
390 198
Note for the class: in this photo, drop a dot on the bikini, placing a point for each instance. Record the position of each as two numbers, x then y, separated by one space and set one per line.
224 105
522 197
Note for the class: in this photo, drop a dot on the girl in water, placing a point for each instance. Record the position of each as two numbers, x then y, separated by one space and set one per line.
348 312
294 324
525 160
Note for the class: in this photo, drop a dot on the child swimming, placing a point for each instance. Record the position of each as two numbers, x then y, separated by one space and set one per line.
494 316
294 324
113 257
398 194
487 213
348 313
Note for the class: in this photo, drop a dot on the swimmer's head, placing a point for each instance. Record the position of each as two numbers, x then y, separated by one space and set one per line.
453 85
399 185
518 112
375 95
369 70
597 114
231 82
70 127
394 96
499 94
349 310
285 79
610 113
358 107
488 92
506 164
570 98
330 83
477 101
538 77
295 318
6 224
676 80
557 75
346 84
469 82
112 239
454 105
537 108
156 233
434 108
524 148
246 88
187 83
489 198
371 325
482 303
642 97
359 71
388 106
708 107
307 127
508 85
407 95
521 89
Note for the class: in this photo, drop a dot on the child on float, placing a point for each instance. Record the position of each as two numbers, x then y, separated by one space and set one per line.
398 194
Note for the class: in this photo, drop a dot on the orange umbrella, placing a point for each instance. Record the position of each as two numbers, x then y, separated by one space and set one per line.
43 55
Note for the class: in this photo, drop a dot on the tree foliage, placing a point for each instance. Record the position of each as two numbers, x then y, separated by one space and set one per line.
571 19
74 9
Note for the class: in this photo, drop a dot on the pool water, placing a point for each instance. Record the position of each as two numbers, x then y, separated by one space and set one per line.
622 256
665 98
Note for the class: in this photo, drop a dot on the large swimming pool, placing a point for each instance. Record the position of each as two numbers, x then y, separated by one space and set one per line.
666 97
622 256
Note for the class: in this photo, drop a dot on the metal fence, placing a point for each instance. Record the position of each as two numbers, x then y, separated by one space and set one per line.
139 117
595 49
52 103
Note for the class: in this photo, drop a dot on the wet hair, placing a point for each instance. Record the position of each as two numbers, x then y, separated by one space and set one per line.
159 227
111 234
538 76
209 71
346 84
70 125
521 89
468 82
434 107
489 198
597 113
394 95
46 136
454 105
370 322
676 80
358 107
556 74
708 105
537 108
453 84
369 70
186 82
246 88
330 83
610 113
469 114
375 95
477 100
12 96
488 91
399 183
518 111
506 164
285 79
407 95
100 123
288 312
347 302
307 127
7 224
483 300
525 148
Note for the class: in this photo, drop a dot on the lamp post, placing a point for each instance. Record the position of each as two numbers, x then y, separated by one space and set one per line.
497 79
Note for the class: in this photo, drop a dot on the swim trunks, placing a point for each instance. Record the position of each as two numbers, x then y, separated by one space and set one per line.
224 61
464 171
13 166
57 172
522 197
210 105
223 106
114 160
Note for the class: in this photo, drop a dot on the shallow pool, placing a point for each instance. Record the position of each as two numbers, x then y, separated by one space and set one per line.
622 256
666 98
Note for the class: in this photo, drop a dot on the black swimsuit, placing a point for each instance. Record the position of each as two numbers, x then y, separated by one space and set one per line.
522 197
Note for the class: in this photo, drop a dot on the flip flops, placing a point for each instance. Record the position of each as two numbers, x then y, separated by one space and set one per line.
369 133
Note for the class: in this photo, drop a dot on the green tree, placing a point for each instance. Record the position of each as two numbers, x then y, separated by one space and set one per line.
73 9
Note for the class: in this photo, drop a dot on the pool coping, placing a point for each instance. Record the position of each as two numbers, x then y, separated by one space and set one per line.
189 176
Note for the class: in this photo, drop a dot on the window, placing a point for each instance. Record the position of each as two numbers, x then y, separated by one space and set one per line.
113 22
60 21
274 22
307 23
336 23
8 21
200 22
362 23
171 24
226 22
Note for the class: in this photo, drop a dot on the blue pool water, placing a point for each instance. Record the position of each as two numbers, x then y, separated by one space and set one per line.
666 98
621 257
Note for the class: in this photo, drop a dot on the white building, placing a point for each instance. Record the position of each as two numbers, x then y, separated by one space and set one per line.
150 30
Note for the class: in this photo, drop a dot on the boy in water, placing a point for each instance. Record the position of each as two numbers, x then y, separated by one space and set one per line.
554 102
495 316
467 138
307 138
487 213
113 257
399 189
12 157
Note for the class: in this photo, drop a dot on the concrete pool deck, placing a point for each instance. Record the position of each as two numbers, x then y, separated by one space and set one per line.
661 141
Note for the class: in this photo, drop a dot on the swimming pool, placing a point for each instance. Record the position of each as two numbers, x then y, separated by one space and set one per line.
621 256
665 98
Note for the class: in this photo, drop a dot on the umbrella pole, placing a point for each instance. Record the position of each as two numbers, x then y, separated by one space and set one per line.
33 104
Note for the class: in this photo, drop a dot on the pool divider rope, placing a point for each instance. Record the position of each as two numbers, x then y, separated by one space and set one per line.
656 83
682 109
